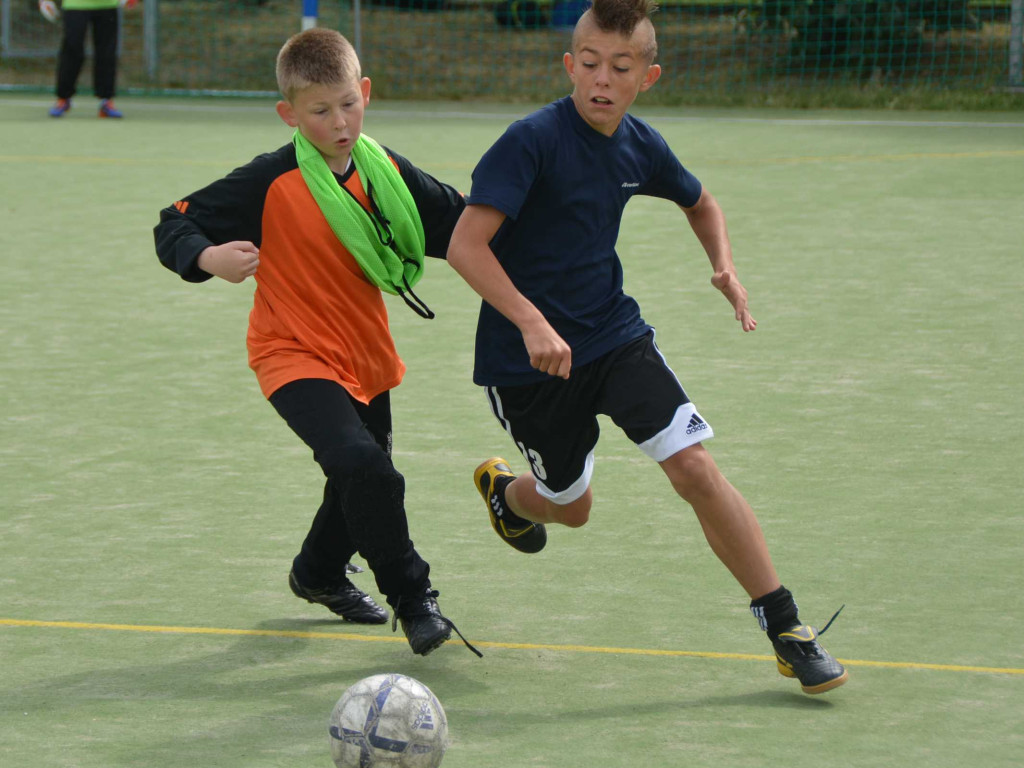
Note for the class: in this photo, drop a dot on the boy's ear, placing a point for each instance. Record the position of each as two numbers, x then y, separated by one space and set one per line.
653 73
364 87
287 113
570 65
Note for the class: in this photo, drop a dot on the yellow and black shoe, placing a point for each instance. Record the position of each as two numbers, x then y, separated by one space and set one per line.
515 531
798 654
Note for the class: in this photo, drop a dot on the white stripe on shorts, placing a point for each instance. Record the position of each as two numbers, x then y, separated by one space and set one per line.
574 491
495 404
687 428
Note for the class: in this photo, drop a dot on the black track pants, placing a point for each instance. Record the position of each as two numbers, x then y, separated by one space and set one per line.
363 507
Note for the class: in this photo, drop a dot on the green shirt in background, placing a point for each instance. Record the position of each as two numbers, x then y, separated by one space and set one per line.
88 5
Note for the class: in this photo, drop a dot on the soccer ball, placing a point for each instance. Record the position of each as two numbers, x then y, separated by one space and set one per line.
388 721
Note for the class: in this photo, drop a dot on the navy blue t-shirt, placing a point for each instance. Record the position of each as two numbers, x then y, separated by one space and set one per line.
562 186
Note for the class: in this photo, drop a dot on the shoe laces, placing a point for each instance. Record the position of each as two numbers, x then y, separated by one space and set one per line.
351 590
340 583
811 647
829 622
429 607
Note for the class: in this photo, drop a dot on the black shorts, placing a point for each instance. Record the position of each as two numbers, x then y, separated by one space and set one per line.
554 422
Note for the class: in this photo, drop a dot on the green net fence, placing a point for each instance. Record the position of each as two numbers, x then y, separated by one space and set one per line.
510 50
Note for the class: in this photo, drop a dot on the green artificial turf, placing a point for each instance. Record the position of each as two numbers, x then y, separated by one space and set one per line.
152 500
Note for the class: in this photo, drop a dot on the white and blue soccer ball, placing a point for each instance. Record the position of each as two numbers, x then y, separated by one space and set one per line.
388 721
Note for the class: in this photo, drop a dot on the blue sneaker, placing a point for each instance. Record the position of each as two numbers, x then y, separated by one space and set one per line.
58 109
107 109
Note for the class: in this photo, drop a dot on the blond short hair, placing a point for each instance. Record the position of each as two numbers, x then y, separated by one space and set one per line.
315 56
625 17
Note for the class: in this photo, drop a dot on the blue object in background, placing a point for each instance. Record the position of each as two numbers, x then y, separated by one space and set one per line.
566 13
310 11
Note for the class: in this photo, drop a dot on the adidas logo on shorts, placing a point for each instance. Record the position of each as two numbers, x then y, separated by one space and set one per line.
696 424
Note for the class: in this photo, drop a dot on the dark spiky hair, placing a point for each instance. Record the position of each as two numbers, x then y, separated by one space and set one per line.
623 17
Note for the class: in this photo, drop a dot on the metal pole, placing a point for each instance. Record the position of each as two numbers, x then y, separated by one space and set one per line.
5 26
309 14
1017 43
357 27
151 38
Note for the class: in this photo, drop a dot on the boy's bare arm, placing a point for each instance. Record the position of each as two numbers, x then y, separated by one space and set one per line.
708 222
471 256
232 261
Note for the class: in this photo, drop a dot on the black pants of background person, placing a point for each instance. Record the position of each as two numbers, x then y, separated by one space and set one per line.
363 507
104 25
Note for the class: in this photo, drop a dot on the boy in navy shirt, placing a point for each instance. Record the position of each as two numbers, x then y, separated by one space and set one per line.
558 341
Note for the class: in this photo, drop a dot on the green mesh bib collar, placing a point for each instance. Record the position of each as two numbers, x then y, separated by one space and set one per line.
387 241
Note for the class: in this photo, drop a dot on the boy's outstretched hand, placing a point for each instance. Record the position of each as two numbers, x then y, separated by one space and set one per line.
730 285
232 261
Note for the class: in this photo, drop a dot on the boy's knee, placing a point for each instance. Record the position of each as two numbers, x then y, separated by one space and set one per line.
574 515
692 472
371 492
355 460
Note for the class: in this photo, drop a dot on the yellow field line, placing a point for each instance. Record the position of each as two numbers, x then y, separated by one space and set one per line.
485 644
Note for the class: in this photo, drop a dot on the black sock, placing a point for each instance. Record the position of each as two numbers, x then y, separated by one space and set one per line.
500 484
775 612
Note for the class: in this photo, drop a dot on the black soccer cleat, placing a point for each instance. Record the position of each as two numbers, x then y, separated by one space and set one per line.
798 654
344 599
518 533
425 627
